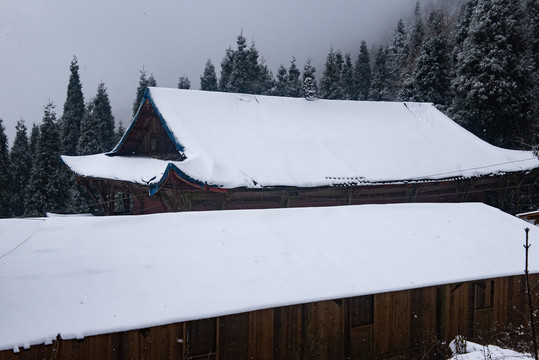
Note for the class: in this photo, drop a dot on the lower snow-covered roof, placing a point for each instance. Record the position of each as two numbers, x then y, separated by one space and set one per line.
82 276
236 140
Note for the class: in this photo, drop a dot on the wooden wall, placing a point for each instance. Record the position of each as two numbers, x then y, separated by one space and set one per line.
407 324
511 193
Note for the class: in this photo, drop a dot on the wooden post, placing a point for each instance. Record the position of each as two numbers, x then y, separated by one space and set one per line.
529 292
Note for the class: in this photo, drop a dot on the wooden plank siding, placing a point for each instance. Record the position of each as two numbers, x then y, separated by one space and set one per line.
407 324
511 193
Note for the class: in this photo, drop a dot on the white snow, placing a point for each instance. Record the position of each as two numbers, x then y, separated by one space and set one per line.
479 352
82 276
236 140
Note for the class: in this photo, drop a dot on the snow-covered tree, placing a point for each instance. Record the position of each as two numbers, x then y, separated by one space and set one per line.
330 82
380 77
281 83
309 89
5 174
398 59
21 165
102 111
90 141
309 72
431 77
295 83
227 65
184 82
143 84
493 78
208 80
348 83
416 35
363 72
47 188
73 111
34 136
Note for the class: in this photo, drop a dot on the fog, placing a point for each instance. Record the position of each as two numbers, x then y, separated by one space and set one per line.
114 40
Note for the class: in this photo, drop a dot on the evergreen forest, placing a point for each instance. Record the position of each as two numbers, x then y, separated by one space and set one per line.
478 64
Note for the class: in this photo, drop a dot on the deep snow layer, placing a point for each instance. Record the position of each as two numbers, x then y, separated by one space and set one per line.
236 140
82 276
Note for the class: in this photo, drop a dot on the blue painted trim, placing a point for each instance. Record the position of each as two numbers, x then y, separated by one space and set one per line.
147 96
179 146
154 188
121 142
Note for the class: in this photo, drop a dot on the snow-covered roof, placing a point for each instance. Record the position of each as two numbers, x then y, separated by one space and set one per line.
236 140
82 276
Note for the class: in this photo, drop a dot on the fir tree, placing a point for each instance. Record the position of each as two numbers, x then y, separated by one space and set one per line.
238 81
309 89
397 59
431 76
417 34
143 84
102 111
21 165
348 83
208 80
184 82
330 82
119 132
363 72
281 83
309 72
295 84
227 65
264 82
47 189
380 77
73 111
90 141
493 79
34 136
5 174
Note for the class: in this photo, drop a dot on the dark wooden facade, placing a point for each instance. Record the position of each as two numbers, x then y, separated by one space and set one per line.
409 324
512 193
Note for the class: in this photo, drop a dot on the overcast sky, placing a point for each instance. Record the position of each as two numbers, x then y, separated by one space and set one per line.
113 40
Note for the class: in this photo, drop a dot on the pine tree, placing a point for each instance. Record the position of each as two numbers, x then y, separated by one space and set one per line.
208 80
295 84
330 82
120 131
238 81
5 174
264 82
90 141
416 36
47 189
532 35
73 111
227 65
493 79
348 83
431 78
21 164
143 84
281 83
397 60
380 77
34 136
184 82
309 73
363 72
103 113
